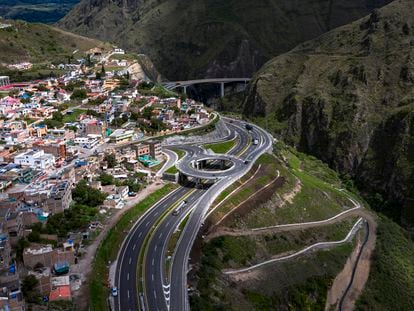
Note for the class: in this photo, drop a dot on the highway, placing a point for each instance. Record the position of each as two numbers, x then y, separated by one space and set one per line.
141 275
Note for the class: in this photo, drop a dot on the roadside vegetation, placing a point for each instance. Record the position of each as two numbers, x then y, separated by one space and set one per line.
302 283
242 251
390 284
222 147
109 248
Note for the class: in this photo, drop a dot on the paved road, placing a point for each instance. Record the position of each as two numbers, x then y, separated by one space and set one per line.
163 290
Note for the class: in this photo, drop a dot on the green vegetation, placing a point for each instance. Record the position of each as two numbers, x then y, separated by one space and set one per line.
84 194
179 152
172 170
391 280
150 89
110 160
305 288
314 199
109 248
73 115
29 291
238 252
40 44
222 147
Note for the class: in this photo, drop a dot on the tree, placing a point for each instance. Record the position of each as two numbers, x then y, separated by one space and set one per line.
111 160
57 116
147 112
79 94
84 194
29 289
106 179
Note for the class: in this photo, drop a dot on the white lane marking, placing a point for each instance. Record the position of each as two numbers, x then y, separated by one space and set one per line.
140 234
152 261
133 248
147 224
152 277
156 214
155 294
155 248
128 294
160 237
130 260
128 277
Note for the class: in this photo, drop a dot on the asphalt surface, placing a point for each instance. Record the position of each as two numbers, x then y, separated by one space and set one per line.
150 286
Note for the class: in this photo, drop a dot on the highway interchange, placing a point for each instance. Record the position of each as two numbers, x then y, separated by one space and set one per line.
142 277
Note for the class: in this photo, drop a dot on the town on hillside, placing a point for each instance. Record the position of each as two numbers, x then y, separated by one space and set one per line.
75 151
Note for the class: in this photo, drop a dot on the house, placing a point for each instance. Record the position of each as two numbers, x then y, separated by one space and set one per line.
35 159
57 149
155 149
60 198
87 142
46 256
142 150
121 135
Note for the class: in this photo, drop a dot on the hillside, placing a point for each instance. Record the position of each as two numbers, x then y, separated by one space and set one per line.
38 43
347 97
211 38
40 11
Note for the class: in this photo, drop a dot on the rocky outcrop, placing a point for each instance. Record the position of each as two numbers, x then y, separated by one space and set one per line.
347 97
205 38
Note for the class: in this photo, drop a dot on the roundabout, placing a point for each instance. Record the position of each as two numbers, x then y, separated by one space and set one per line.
202 166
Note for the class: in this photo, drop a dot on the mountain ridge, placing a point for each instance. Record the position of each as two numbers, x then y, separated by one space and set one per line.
347 97
190 39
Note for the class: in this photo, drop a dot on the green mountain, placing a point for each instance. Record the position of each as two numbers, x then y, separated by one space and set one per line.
39 43
211 38
347 97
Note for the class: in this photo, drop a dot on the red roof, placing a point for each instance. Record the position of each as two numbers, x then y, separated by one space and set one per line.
60 292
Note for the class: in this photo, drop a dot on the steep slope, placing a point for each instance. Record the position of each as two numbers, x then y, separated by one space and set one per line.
39 43
348 98
211 38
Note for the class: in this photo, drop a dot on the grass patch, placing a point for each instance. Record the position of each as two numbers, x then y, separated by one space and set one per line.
222 147
266 173
73 117
179 152
238 252
302 283
316 199
172 170
108 250
391 280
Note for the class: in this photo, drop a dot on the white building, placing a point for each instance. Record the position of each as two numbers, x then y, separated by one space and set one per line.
87 142
121 135
35 159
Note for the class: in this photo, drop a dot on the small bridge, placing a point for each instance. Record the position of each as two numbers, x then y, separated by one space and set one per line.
184 84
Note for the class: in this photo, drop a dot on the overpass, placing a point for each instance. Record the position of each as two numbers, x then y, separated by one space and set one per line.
184 84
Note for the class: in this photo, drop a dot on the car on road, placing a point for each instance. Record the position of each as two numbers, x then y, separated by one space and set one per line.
132 194
114 291
178 209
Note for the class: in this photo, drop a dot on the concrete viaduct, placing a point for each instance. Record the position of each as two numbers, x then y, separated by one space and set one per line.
222 81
